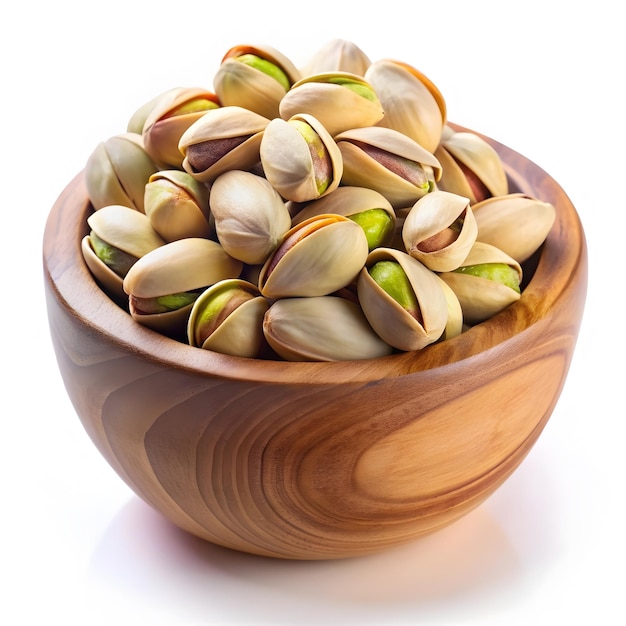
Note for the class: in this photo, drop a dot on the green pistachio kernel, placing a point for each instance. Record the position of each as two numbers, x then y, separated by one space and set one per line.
363 90
115 259
176 301
377 225
390 276
194 106
322 165
498 272
267 67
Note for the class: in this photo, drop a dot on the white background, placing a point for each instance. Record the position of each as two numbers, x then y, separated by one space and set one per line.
545 78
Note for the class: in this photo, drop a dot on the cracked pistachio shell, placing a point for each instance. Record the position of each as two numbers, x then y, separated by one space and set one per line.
339 100
337 55
481 298
516 223
349 202
170 117
389 162
228 318
413 104
316 257
177 205
394 323
321 328
471 166
137 120
178 266
439 230
126 230
250 216
241 81
300 158
117 171
223 139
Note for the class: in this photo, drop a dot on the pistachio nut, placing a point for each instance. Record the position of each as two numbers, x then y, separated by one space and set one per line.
250 215
316 257
170 117
339 100
117 171
254 78
223 139
119 236
337 55
413 104
471 166
300 159
516 223
228 318
486 283
137 120
389 162
402 299
163 284
177 205
321 328
440 230
368 208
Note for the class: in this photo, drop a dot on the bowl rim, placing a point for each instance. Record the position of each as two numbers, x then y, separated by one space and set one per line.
70 282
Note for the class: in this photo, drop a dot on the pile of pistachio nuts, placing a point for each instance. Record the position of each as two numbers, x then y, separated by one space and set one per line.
320 213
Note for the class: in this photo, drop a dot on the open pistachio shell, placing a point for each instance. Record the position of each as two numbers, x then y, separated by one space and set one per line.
129 234
300 158
454 323
481 297
471 166
337 55
413 104
396 325
389 162
321 328
316 257
440 230
223 139
255 78
339 100
117 171
170 117
516 223
350 202
177 205
250 216
228 318
178 266
137 120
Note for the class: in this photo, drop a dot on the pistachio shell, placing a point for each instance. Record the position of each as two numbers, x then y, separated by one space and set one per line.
339 100
454 323
180 266
300 168
389 162
317 257
240 84
471 166
223 139
170 117
250 216
391 321
439 230
117 171
322 328
177 205
107 279
516 223
126 229
338 55
228 318
481 298
413 104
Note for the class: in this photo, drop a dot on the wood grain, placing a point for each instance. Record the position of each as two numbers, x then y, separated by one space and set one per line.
316 460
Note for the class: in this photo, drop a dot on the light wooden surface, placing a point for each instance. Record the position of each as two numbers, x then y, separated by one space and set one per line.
316 460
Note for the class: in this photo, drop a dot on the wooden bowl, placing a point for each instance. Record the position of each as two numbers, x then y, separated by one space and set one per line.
317 460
